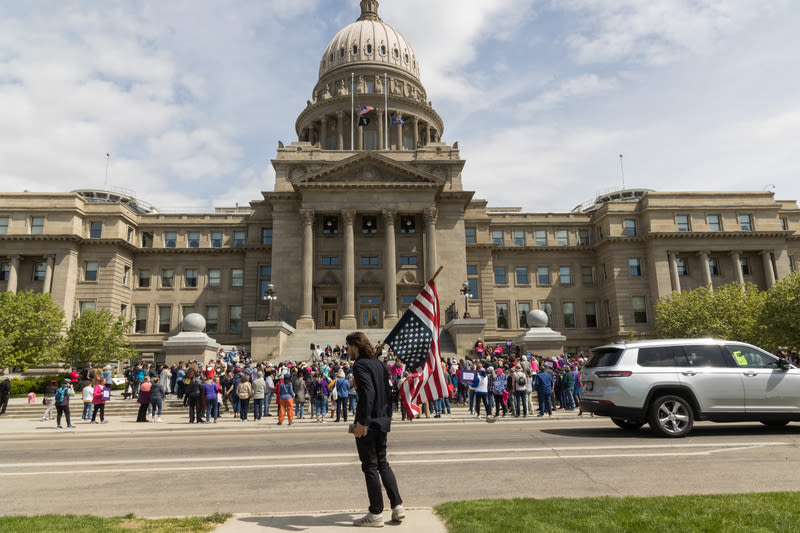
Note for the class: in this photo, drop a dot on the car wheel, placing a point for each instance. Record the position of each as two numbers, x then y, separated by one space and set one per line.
671 416
628 425
775 423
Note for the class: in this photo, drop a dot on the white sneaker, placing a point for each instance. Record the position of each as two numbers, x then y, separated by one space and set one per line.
398 513
159 419
369 520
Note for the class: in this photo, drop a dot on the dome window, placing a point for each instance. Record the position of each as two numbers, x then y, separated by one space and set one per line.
355 49
383 50
405 57
369 49
341 52
396 53
331 58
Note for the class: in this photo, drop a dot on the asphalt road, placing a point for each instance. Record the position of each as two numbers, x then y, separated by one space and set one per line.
177 469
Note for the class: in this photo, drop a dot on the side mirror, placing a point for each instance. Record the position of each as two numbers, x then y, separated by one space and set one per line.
783 364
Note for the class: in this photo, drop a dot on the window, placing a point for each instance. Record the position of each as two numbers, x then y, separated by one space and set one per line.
237 277
164 318
784 224
745 222
519 237
85 306
130 234
607 308
140 325
214 277
123 311
587 275
472 279
170 239
565 275
3 225
37 225
635 266
547 307
144 279
408 224
235 319
193 240
216 239
639 309
167 278
126 275
266 235
39 269
212 318
90 271
599 233
190 278
369 225
502 316
5 269
562 237
522 275
330 225
147 239
330 260
186 310
497 237
470 235
713 223
541 237
682 266
683 222
713 266
499 275
583 237
605 271
265 276
630 227
239 238
543 275
590 312
569 314
523 308
95 230
745 264
408 260
369 260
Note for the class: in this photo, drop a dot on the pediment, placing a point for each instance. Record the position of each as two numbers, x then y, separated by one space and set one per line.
367 169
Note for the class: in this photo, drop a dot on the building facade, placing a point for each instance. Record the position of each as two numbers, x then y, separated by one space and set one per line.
366 205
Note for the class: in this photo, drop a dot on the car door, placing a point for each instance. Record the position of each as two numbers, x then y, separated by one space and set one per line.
715 381
767 388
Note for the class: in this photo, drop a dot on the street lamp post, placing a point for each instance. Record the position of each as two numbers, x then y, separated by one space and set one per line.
466 294
269 297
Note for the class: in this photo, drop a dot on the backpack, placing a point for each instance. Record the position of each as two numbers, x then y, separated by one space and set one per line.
521 380
499 386
61 394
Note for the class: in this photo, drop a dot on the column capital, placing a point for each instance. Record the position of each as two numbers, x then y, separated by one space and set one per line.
348 216
308 216
765 252
431 215
340 115
703 253
388 216
733 253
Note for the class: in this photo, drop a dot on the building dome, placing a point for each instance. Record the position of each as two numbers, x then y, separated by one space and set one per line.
371 41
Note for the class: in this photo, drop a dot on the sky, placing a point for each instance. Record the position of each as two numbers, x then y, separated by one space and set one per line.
190 98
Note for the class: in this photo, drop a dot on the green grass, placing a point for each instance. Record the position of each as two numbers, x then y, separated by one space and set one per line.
767 512
54 523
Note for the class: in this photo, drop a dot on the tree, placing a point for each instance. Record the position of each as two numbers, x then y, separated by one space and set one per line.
30 327
97 338
781 314
729 312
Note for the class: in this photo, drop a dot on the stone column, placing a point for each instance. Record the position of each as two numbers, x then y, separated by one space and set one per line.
769 270
737 267
399 133
48 273
306 320
704 265
390 271
673 271
13 274
431 217
381 142
415 122
323 133
340 130
348 320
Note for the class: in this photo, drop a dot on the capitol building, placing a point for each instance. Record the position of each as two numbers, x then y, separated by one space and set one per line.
367 203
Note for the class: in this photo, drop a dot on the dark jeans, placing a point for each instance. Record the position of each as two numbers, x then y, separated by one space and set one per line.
3 403
99 408
244 405
341 407
372 453
65 410
545 404
142 415
498 403
485 399
194 409
258 408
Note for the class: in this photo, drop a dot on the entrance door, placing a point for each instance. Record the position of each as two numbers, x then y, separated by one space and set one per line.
370 317
330 317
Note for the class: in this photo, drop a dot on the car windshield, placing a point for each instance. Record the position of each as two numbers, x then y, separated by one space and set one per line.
604 357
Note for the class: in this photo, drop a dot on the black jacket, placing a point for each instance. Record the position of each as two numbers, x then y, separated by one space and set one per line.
374 408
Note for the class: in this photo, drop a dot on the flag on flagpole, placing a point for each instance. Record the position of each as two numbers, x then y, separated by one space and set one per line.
415 341
397 120
366 109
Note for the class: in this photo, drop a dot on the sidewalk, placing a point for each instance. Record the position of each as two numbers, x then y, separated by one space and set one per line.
419 520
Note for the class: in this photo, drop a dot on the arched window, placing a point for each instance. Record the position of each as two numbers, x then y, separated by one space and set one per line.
355 49
331 58
369 49
383 49
341 52
396 53
406 58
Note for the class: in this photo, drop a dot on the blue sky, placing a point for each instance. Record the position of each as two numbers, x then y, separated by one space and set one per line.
191 97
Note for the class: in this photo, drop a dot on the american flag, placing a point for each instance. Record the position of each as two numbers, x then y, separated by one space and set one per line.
415 340
366 109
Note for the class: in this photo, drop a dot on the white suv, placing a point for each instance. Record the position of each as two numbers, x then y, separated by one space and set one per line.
670 383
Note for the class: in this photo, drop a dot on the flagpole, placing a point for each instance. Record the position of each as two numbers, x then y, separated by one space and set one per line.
352 110
386 110
436 273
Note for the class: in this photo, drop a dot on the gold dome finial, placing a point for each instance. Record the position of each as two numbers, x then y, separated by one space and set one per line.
369 10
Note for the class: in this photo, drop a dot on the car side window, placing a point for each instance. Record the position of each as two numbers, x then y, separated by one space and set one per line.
656 356
746 357
705 355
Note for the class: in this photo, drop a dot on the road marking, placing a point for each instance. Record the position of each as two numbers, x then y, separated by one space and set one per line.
465 456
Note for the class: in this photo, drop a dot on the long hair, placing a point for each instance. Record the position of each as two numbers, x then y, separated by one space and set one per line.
360 341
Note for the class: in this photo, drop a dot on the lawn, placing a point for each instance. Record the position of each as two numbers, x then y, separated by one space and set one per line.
125 524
